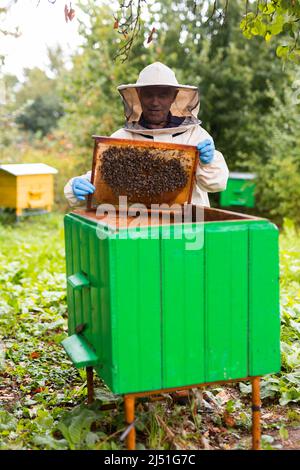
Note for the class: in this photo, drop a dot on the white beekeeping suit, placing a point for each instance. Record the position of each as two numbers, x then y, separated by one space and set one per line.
211 177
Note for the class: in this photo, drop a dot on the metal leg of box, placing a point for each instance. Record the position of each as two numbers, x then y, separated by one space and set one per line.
90 385
256 413
129 404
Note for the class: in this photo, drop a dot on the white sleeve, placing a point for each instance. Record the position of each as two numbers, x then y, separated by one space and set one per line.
68 191
211 177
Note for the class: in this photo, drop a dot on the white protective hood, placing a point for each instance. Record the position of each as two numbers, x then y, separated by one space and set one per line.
186 104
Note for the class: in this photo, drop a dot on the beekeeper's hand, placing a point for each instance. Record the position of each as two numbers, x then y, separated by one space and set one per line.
206 151
82 187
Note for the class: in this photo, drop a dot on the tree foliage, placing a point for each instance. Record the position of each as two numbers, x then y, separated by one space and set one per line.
35 104
278 190
272 18
40 115
264 18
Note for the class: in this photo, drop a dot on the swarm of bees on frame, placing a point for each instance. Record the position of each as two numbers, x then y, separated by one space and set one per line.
142 173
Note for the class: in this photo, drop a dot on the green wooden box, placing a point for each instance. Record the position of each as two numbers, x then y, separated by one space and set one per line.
240 190
156 315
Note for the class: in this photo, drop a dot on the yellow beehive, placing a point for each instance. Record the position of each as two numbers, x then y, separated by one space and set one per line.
26 186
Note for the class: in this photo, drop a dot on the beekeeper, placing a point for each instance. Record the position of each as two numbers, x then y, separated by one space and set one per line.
158 108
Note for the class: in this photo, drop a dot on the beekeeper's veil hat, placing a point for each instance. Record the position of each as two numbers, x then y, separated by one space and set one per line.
186 104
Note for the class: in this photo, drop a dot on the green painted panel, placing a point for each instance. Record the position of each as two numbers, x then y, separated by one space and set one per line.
101 310
264 334
75 243
182 292
95 261
70 271
226 301
85 255
135 314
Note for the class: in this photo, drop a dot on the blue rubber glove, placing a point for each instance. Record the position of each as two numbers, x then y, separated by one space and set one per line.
206 151
81 188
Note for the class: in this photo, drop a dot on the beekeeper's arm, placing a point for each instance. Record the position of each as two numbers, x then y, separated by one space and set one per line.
212 172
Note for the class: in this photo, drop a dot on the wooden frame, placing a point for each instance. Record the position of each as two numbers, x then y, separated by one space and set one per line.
184 195
211 215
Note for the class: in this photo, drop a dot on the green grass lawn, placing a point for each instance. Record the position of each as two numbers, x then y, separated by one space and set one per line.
42 396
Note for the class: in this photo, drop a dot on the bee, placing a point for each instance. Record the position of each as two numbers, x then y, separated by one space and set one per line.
142 174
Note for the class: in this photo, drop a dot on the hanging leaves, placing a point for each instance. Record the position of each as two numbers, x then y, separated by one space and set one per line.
116 23
150 38
266 19
69 13
273 18
66 13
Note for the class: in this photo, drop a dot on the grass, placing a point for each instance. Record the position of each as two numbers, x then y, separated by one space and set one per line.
43 397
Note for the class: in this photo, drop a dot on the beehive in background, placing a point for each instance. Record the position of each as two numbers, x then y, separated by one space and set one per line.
26 186
240 190
146 172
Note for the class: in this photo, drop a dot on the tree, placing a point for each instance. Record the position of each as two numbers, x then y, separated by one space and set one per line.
40 115
278 190
35 104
